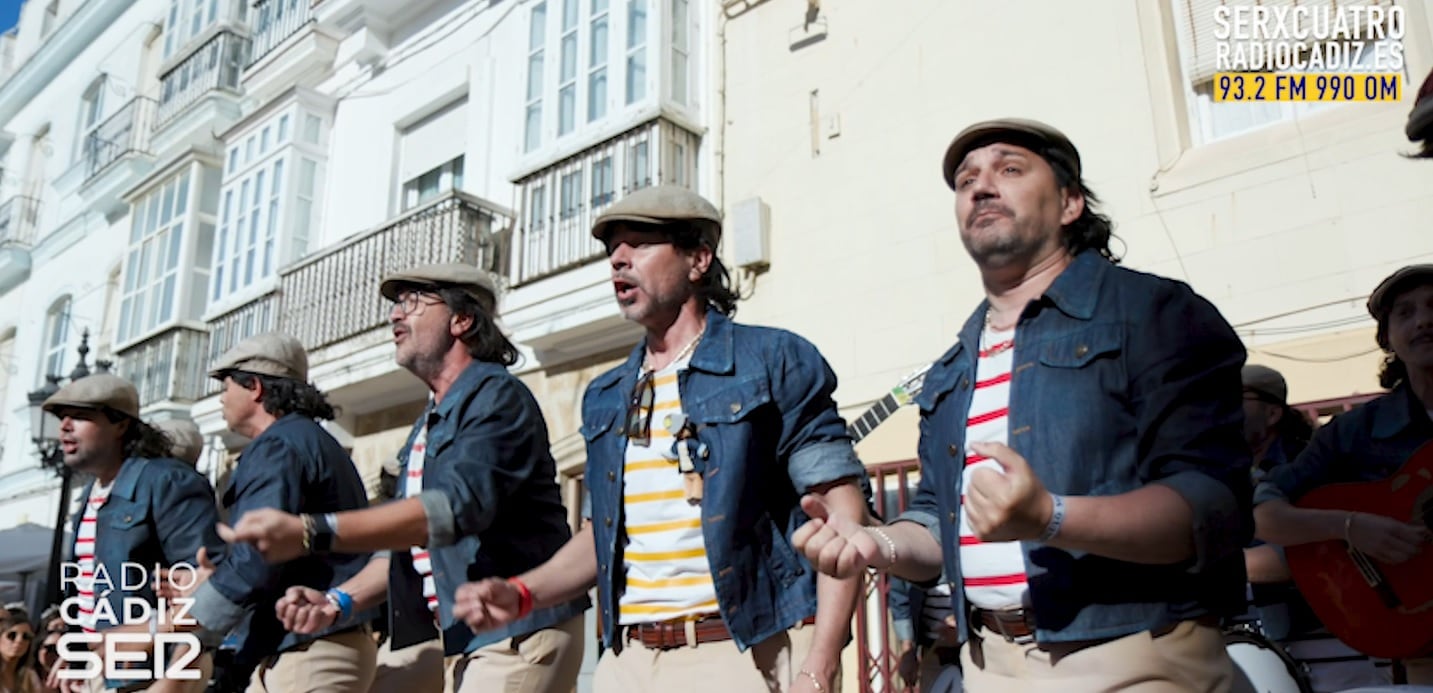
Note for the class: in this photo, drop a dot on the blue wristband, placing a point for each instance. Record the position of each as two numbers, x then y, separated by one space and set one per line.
344 602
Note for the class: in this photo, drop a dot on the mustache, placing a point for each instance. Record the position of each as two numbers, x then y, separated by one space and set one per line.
985 206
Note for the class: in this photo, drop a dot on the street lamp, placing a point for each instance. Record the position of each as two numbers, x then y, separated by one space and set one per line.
45 434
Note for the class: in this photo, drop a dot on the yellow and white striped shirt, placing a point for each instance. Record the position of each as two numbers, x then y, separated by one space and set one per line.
668 575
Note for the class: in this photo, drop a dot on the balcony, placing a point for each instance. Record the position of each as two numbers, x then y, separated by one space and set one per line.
168 367
117 153
19 218
332 296
290 49
329 300
214 66
18 221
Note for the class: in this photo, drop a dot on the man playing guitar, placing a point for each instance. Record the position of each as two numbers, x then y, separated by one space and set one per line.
1369 443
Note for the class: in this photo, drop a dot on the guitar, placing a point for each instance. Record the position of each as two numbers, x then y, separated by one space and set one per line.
1378 609
902 394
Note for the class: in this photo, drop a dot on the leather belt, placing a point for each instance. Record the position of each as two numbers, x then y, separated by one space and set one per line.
1012 624
666 635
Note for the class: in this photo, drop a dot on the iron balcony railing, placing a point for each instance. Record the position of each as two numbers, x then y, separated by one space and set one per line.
125 132
274 21
215 65
333 295
19 217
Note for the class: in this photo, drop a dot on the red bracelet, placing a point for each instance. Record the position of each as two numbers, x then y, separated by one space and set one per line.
524 597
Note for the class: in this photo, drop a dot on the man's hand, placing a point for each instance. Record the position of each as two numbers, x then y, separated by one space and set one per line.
486 604
276 535
182 584
305 610
1006 505
835 545
1387 540
909 664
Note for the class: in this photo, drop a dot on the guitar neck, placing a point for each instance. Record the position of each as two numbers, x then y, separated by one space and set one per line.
873 417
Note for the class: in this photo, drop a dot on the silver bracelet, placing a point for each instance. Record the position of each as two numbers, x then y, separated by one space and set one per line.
1057 518
890 543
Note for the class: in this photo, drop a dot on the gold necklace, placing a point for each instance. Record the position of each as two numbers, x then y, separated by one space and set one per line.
986 349
686 350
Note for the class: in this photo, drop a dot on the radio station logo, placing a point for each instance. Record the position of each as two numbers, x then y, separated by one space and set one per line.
1308 53
139 653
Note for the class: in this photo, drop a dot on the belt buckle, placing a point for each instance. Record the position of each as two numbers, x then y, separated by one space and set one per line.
1001 627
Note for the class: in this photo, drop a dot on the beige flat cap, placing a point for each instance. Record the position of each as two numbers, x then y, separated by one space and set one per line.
186 443
473 281
97 391
1011 130
662 204
271 353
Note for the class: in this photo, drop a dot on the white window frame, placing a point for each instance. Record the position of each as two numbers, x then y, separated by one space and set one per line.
680 60
55 347
537 44
186 20
568 54
91 114
157 255
599 49
637 46
449 176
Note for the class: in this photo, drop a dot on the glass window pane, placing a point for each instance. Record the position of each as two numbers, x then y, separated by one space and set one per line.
183 201
636 23
597 94
597 45
531 129
636 76
534 76
283 134
569 14
537 27
566 109
569 58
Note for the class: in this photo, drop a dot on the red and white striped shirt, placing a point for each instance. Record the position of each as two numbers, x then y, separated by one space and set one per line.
412 486
85 555
993 574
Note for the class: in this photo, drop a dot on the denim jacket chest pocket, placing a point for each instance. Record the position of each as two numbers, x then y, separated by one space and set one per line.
1079 401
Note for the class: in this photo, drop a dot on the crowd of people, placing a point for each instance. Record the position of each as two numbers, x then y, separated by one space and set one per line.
1104 485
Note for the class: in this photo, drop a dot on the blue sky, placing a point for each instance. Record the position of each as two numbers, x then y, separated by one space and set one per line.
9 12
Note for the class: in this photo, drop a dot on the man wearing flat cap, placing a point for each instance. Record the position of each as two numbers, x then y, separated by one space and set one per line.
290 464
1084 477
478 498
186 443
141 508
699 448
1368 443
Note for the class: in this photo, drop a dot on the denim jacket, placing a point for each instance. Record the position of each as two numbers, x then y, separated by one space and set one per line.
494 508
297 467
767 431
1120 380
160 511
1368 443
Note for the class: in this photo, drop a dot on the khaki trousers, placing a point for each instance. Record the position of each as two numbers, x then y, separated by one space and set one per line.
339 663
1189 658
545 661
714 667
413 669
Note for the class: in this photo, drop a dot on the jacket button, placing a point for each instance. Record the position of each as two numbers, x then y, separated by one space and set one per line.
608 521
127 518
611 476
965 383
954 450
953 517
1081 350
735 407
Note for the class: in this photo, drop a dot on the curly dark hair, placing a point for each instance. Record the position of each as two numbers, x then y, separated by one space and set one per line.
484 339
1092 230
285 396
140 439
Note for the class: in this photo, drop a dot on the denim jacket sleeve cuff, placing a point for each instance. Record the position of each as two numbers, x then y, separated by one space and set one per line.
1216 516
822 463
922 518
1267 491
442 525
214 611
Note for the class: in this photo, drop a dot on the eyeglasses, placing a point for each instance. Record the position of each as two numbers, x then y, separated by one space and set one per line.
14 635
639 411
409 301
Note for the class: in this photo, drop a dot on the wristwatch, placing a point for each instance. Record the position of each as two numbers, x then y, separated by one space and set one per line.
321 531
